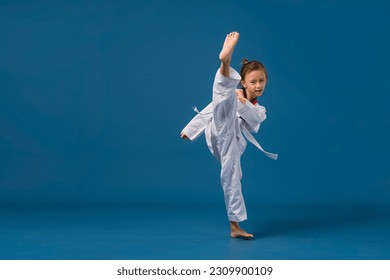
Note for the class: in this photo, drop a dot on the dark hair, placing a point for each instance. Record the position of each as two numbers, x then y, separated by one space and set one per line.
249 66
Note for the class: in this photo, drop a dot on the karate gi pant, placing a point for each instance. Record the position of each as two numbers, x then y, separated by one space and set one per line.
223 138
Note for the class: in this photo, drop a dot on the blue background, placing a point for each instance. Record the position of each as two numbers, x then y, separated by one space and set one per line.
94 94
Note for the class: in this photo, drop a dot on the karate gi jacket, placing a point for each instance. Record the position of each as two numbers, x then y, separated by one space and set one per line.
249 115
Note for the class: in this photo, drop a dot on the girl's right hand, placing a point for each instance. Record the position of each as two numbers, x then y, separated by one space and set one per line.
182 135
240 96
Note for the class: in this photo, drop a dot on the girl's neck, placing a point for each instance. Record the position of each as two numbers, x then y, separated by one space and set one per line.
252 99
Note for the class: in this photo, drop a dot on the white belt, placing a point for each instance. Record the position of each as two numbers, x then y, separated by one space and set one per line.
248 136
252 139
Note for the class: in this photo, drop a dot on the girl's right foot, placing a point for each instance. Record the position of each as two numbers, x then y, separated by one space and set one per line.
228 47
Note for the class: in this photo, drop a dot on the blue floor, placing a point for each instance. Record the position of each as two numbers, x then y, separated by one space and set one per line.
325 231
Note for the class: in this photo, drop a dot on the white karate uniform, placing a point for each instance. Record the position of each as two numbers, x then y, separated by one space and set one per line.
224 122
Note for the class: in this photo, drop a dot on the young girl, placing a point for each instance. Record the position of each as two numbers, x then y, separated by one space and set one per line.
232 113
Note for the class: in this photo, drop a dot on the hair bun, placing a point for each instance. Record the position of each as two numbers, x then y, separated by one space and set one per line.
244 61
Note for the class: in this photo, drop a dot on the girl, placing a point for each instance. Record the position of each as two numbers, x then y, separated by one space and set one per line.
231 114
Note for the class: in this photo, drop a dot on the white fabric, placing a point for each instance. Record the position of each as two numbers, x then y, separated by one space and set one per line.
224 122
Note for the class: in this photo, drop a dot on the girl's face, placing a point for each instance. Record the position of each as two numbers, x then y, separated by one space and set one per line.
254 83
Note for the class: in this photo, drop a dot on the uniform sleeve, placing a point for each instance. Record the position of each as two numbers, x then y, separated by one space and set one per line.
197 125
253 115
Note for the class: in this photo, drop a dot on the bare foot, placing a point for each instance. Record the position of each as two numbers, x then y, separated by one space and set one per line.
228 47
237 232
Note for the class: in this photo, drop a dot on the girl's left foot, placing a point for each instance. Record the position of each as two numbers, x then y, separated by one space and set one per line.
237 232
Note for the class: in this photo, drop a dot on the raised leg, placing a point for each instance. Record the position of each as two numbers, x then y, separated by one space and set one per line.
225 129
